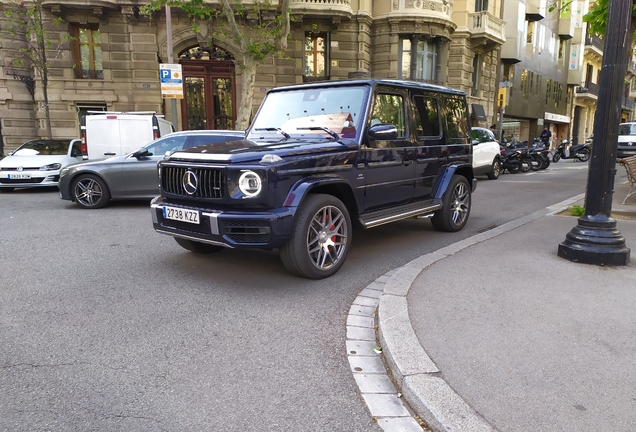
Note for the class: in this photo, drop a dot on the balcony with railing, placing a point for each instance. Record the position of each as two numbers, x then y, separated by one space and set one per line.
628 104
486 30
588 91
334 8
596 43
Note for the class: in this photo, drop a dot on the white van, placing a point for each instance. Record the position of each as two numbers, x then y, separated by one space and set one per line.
626 140
106 134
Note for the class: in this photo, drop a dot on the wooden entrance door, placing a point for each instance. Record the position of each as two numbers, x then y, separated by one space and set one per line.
210 98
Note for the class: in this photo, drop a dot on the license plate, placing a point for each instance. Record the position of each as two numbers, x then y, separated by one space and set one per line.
179 214
629 152
19 176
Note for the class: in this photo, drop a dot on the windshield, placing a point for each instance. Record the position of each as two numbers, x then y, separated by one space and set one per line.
309 111
627 129
43 147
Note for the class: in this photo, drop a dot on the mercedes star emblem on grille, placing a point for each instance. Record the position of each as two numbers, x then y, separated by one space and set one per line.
20 168
190 182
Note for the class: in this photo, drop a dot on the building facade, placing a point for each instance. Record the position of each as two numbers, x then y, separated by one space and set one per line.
106 57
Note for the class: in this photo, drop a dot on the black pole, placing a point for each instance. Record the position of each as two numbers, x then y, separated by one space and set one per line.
595 240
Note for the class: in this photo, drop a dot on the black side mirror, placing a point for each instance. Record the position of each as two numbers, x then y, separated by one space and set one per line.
383 132
140 152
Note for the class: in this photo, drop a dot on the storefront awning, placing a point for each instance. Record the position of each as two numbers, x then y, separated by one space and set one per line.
478 112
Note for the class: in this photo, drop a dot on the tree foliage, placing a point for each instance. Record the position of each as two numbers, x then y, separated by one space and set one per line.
597 17
258 29
26 22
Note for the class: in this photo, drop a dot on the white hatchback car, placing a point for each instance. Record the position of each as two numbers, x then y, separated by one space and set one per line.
37 163
486 153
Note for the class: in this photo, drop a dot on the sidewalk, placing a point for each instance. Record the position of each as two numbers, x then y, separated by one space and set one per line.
498 332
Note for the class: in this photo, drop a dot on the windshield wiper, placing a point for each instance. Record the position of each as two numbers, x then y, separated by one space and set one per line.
329 131
274 129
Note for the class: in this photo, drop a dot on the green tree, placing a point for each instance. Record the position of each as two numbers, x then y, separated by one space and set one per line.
597 17
259 29
26 22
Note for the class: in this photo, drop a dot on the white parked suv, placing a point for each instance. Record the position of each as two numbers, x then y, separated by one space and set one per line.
486 153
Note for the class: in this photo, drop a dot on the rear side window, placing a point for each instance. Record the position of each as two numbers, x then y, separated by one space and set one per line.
426 117
627 129
456 113
389 109
169 144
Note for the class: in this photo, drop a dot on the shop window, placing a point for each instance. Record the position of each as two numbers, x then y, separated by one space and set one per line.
316 62
88 52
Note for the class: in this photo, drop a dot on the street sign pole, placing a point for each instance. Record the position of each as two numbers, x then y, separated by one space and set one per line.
173 101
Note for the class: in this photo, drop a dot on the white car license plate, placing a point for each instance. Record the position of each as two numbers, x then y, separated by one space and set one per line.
630 152
19 176
183 215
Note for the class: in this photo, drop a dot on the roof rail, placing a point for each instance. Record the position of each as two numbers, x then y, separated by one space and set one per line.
123 112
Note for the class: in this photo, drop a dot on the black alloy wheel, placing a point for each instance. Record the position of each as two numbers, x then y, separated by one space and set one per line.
321 238
90 192
456 204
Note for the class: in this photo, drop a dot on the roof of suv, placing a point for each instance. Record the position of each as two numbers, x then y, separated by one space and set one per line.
374 82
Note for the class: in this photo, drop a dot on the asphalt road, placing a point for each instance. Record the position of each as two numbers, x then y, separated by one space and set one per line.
106 325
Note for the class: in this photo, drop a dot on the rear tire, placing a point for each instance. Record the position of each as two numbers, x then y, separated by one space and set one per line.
320 239
495 170
197 247
455 206
586 155
514 168
536 163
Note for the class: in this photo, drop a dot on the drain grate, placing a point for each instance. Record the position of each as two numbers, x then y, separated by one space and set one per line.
483 230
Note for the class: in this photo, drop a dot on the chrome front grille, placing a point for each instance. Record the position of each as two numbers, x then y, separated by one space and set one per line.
211 182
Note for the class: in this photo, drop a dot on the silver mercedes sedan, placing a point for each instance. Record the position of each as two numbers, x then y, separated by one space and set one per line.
92 184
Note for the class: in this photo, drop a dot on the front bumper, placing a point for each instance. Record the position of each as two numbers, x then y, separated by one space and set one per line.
232 228
38 179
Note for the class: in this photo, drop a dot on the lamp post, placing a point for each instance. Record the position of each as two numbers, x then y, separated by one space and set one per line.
173 101
595 240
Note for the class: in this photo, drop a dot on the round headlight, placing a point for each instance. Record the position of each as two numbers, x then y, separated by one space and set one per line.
250 184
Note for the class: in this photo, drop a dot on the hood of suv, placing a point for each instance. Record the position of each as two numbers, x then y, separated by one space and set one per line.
248 151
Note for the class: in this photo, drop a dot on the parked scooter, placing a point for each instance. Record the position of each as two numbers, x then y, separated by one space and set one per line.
510 159
540 153
581 152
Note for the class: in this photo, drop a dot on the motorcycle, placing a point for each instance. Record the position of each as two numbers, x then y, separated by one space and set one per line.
581 152
540 154
510 159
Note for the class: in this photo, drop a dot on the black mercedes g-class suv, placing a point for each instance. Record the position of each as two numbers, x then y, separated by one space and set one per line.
317 158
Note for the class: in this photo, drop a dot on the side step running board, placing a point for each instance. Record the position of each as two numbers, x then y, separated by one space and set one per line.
384 216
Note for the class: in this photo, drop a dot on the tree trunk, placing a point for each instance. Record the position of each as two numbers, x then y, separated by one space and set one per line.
244 115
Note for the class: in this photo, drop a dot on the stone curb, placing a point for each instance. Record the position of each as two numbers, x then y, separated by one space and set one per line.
417 378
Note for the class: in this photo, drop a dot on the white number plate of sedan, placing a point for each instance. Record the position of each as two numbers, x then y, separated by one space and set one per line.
19 176
180 214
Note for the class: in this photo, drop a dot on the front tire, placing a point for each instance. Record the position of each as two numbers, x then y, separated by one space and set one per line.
455 206
320 239
90 192
556 157
197 247
586 155
495 170
6 189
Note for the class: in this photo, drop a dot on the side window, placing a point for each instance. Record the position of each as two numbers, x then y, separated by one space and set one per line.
170 144
456 114
426 117
389 109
